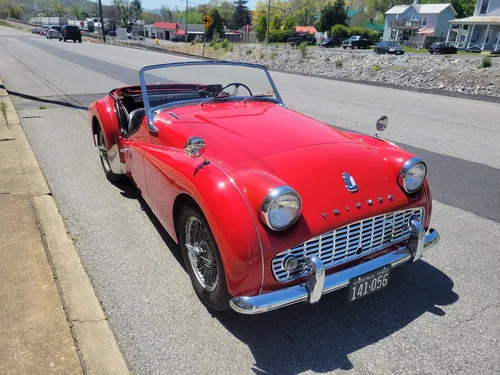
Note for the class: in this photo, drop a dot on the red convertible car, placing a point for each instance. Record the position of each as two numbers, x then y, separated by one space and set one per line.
269 207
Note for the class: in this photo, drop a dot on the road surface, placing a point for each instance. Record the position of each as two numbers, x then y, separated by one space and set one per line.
440 315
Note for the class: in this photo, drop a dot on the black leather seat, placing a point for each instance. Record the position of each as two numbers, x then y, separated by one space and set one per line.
135 119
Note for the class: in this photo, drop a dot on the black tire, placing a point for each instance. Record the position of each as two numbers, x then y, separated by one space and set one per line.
79 40
64 40
74 40
60 39
431 52
218 298
112 177
344 47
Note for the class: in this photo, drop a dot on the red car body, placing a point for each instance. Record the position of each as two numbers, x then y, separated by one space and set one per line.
247 159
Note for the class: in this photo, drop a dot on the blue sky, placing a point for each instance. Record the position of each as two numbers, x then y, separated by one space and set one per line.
181 4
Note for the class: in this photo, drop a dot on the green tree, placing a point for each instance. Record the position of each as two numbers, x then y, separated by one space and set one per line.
136 9
464 8
289 23
57 8
261 27
241 14
304 11
76 12
216 26
340 31
165 13
275 22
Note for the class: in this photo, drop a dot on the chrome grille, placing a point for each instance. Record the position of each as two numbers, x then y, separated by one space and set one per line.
348 243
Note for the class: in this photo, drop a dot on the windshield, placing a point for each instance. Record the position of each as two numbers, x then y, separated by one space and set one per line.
205 81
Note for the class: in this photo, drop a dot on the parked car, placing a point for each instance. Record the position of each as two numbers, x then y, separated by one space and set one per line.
134 36
70 33
269 207
42 31
441 47
331 42
36 30
178 38
301 38
392 48
112 33
52 32
356 41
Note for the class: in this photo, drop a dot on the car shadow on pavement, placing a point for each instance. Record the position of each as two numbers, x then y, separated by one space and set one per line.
128 190
321 337
45 100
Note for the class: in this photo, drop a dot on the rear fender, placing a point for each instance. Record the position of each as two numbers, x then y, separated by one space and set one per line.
103 115
171 174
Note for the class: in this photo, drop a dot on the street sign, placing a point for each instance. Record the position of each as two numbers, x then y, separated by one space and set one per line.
82 23
207 21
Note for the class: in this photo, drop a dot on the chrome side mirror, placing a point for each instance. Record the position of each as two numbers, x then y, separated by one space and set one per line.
381 125
195 147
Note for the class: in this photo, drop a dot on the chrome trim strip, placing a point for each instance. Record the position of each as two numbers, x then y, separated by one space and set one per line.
299 293
253 220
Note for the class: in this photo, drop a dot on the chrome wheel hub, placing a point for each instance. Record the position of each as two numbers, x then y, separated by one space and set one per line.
103 153
201 253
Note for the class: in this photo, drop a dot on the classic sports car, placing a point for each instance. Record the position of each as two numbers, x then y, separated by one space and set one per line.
269 207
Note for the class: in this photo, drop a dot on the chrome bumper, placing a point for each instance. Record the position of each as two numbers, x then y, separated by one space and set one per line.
319 284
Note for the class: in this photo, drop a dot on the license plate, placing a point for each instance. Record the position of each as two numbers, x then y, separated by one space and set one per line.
368 283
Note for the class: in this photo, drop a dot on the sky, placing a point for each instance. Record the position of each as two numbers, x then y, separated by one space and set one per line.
181 4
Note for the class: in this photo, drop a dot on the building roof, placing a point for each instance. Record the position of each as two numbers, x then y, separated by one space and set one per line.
180 32
375 26
420 8
305 29
352 12
491 20
165 25
397 9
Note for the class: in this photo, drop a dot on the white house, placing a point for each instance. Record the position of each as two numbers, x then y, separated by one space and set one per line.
479 32
418 24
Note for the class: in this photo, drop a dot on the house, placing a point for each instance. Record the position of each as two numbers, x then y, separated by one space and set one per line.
356 18
479 32
418 24
164 30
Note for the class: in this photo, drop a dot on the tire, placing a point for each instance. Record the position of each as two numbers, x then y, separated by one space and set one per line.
103 155
74 40
64 40
431 52
344 47
212 293
60 39
79 40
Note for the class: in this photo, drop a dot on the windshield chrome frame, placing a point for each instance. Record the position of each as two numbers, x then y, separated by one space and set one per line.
151 111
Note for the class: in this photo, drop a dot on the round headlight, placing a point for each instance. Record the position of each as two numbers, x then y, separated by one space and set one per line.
412 175
281 208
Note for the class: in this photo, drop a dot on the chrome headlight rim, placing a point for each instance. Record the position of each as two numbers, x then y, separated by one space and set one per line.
268 201
407 166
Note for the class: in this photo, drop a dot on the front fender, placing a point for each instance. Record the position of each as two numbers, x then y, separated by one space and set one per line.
171 173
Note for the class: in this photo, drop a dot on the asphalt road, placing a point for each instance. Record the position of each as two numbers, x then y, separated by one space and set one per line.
440 315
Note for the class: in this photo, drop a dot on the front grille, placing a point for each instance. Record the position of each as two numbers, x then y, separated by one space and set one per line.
348 243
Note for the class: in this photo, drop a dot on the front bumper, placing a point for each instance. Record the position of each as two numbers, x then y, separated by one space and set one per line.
319 284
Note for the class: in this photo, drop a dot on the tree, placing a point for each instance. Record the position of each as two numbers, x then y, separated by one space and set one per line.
57 8
241 15
289 23
216 25
275 22
76 12
464 8
165 13
226 10
340 31
123 7
136 9
261 27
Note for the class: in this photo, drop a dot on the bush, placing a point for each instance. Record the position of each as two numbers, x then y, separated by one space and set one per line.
212 43
339 63
376 68
224 44
216 46
278 36
364 32
289 23
340 31
486 62
248 51
303 50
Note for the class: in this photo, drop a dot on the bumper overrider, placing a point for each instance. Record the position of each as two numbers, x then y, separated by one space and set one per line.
318 284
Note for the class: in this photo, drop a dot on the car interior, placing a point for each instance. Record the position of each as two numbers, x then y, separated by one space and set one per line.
130 103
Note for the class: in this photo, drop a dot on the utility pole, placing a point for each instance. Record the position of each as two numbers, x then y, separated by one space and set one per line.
268 20
186 20
102 22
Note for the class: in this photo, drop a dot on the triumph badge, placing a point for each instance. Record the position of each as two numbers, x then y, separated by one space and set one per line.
350 184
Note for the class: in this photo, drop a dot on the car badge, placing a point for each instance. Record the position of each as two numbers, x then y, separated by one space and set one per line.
350 184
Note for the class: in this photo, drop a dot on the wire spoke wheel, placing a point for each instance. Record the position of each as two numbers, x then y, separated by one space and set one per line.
103 153
201 253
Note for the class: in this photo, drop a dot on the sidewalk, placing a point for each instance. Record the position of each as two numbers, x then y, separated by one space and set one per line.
51 321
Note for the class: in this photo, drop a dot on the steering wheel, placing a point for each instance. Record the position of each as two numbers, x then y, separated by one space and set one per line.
236 87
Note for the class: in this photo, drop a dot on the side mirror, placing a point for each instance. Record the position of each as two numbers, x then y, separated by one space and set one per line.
381 125
195 147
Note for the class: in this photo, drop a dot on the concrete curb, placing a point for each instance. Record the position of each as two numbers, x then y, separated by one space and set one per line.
97 347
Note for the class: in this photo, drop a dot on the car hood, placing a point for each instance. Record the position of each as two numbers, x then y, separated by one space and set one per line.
237 133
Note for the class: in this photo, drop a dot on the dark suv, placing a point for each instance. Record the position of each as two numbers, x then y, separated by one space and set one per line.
71 33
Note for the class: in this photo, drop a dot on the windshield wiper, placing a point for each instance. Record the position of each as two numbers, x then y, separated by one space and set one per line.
263 97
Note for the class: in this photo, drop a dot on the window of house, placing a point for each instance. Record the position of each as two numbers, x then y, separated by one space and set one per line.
424 20
441 34
484 6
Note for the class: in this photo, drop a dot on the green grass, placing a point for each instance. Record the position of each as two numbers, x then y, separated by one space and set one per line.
41 107
486 62
3 108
